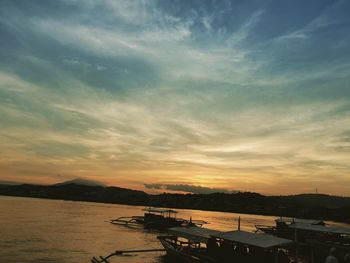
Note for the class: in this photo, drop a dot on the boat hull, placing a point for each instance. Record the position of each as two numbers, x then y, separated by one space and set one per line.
177 255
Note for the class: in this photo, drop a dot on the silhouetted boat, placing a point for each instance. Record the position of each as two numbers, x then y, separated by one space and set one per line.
282 227
201 245
156 218
314 235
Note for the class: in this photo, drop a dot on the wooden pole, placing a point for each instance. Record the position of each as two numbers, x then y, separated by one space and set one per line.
121 252
296 243
104 259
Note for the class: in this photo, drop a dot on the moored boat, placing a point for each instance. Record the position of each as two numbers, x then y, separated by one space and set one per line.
156 218
312 235
201 245
282 226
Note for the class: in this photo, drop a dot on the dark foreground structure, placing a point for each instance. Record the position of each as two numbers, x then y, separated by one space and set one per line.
308 244
313 235
201 245
290 241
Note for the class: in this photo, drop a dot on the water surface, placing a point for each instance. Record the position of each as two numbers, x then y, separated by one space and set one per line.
43 230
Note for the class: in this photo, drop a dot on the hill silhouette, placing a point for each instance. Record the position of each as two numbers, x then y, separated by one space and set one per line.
329 201
312 206
81 181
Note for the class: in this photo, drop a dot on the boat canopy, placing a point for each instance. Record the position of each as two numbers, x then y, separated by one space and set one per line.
297 220
194 233
324 229
159 210
253 239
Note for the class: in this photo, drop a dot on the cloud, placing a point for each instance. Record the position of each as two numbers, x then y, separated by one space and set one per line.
324 20
188 188
242 33
12 83
129 90
229 145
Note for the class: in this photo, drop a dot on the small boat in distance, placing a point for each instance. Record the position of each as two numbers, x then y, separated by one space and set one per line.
156 218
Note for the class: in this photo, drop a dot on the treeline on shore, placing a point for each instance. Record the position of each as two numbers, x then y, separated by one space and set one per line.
313 206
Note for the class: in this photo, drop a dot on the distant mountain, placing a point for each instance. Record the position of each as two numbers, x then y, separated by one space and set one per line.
77 192
82 181
9 182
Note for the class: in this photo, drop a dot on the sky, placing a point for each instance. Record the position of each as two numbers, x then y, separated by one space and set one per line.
168 95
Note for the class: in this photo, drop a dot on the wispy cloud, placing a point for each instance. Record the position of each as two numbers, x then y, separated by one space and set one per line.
12 83
246 29
182 96
322 21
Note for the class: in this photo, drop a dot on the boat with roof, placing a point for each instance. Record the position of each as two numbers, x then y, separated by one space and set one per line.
194 244
315 235
282 225
308 241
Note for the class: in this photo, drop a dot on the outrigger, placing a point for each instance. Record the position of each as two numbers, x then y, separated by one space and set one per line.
106 259
156 218
201 245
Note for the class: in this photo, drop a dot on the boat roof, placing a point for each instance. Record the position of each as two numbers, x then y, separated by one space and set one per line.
159 210
324 229
194 233
253 239
298 220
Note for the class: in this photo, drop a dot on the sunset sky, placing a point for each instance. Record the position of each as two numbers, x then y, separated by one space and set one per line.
159 95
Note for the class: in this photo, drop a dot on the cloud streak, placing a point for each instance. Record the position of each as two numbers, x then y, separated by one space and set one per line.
194 189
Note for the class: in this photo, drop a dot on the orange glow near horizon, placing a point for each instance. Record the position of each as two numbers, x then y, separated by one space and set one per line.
132 178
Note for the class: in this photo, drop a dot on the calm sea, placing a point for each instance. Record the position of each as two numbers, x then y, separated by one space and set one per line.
40 230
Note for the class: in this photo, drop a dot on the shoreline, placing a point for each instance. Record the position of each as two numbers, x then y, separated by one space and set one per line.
172 207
